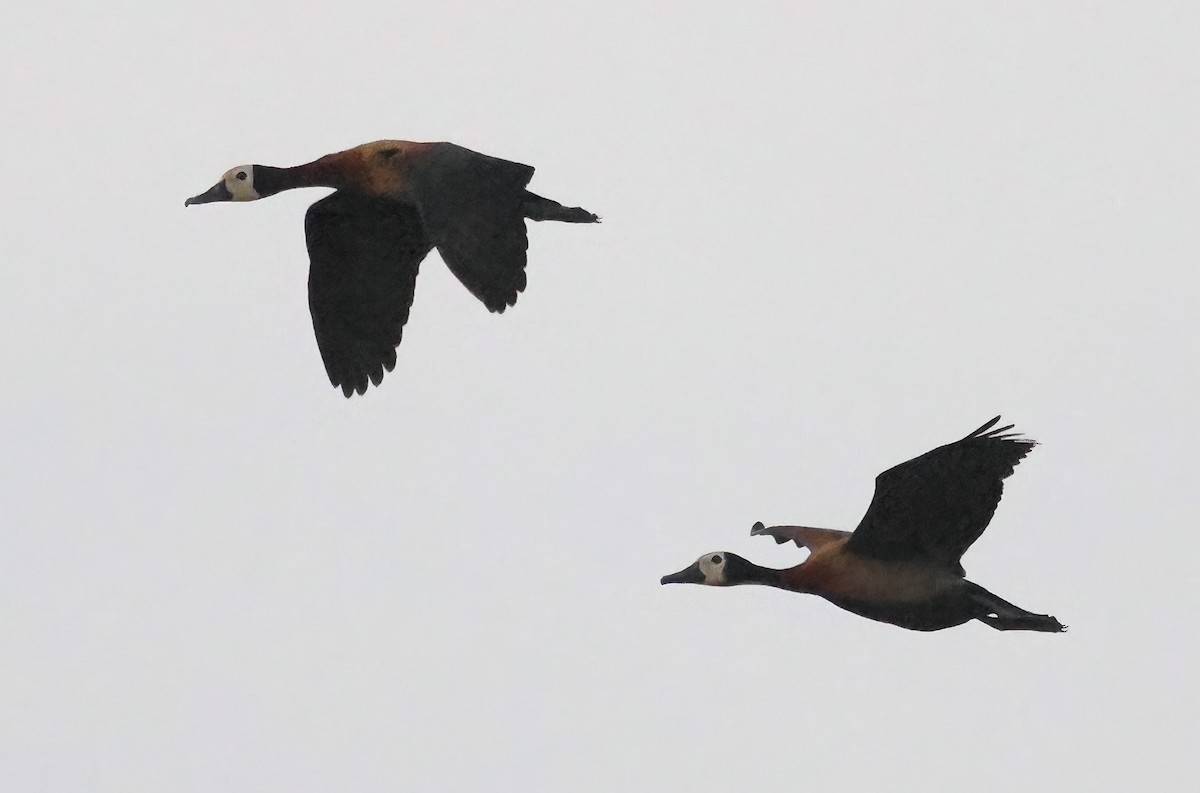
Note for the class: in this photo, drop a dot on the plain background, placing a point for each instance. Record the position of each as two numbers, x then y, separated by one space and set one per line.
835 235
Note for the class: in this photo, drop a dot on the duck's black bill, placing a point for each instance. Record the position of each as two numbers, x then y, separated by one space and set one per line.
218 192
688 575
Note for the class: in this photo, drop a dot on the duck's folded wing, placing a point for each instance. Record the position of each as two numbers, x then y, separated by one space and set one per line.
804 536
363 258
471 206
934 506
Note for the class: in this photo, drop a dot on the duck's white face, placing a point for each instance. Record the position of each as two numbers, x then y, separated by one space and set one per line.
239 182
236 185
709 569
713 567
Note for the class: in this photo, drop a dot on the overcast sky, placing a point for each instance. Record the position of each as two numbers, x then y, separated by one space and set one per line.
835 236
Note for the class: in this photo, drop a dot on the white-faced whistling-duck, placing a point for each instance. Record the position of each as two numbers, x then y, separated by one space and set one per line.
395 201
901 565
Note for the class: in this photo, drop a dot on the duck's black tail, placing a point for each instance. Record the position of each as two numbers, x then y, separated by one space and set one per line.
535 207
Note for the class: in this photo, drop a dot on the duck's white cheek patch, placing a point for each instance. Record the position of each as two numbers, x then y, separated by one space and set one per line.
714 575
241 189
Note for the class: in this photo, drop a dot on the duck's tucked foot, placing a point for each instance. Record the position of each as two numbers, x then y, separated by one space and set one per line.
535 207
1028 622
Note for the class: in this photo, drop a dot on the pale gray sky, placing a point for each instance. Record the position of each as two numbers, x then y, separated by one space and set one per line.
836 235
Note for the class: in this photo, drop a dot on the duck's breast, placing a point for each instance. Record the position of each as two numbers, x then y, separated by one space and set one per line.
836 573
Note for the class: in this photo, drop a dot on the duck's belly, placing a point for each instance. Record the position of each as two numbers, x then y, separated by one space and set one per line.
945 610
917 595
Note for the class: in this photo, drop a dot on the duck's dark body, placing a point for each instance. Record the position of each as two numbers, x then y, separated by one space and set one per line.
394 202
901 565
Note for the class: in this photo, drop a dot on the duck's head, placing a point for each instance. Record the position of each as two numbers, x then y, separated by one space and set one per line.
243 183
719 568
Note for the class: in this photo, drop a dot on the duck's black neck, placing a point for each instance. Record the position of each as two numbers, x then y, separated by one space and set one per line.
741 571
767 576
269 180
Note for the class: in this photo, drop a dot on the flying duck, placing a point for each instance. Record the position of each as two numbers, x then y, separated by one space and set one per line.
394 201
901 565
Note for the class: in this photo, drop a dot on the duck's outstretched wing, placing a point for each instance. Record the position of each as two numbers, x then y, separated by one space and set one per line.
934 506
363 258
471 206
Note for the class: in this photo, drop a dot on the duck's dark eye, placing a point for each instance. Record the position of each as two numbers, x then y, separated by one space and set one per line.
241 175
716 559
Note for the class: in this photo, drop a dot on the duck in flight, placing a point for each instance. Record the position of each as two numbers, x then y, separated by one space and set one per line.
901 565
394 201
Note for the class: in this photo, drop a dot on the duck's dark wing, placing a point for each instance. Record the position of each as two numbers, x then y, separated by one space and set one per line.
934 506
471 205
363 258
